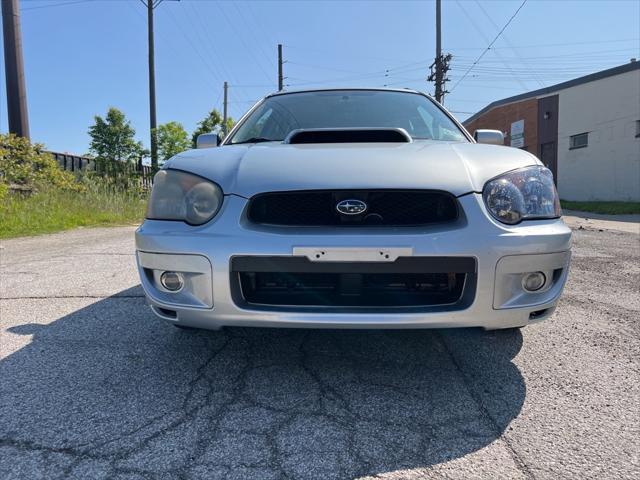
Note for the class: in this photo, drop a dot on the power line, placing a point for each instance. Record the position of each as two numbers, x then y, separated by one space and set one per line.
484 52
569 56
321 67
508 42
264 52
170 43
53 5
208 32
471 20
265 33
241 37
194 47
556 44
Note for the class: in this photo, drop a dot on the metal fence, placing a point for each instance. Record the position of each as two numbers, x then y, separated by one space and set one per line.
77 163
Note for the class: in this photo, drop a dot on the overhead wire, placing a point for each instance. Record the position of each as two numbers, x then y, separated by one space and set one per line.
484 52
486 39
167 42
267 55
209 41
505 38
53 5
241 38
196 49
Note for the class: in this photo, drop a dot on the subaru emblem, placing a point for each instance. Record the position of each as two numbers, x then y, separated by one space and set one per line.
351 207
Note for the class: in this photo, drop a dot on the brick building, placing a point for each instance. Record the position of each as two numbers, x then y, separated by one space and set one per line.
586 130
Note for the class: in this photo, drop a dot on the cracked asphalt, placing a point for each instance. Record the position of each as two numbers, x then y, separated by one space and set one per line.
92 386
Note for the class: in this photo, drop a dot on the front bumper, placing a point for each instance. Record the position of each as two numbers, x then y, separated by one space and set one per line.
204 256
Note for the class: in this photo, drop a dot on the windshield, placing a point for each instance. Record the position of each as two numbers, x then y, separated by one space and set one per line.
277 116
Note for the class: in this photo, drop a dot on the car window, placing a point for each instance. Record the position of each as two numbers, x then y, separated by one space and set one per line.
277 116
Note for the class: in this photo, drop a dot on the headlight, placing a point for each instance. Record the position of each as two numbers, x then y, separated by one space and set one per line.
182 196
524 194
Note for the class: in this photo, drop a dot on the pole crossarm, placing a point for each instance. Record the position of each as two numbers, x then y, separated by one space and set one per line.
154 4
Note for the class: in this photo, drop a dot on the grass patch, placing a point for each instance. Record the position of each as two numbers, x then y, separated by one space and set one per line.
607 208
56 210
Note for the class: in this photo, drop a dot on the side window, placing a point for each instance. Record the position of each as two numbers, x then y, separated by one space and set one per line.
579 141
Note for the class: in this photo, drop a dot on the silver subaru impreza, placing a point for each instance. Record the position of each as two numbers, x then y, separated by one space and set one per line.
353 208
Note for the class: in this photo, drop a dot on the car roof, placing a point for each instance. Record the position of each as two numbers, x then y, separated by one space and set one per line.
338 89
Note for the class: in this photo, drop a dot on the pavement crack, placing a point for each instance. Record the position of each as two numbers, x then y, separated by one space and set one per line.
188 414
328 392
484 411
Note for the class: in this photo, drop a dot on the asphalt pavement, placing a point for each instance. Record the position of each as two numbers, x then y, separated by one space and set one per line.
92 386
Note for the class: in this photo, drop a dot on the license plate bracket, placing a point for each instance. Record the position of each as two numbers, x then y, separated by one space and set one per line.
353 254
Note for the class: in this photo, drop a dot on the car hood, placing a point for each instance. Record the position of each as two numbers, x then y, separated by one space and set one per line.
455 167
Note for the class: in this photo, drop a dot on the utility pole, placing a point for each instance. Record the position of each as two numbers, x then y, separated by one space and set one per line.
439 51
440 66
152 86
151 5
224 109
280 77
14 69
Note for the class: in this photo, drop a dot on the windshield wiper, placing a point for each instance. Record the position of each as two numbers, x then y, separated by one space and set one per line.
256 140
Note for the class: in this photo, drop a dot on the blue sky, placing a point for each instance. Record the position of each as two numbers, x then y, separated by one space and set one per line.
82 56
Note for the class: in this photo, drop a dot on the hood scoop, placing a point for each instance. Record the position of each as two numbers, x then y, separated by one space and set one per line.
348 135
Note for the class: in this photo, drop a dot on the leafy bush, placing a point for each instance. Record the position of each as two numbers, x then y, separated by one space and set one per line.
27 164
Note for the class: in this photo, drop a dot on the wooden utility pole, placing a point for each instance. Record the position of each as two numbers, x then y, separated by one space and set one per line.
440 65
14 69
438 51
224 109
280 77
151 5
152 86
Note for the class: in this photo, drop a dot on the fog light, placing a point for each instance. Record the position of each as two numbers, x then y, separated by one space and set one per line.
172 281
532 282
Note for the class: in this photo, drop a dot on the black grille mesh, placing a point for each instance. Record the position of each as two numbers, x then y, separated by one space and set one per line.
385 208
347 289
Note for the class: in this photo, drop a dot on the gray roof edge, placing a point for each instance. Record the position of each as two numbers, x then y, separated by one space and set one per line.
610 72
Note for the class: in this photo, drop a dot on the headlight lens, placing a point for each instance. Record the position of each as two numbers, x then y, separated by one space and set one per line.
182 196
527 193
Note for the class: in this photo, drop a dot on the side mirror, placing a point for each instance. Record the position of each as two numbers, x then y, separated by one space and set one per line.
208 140
492 137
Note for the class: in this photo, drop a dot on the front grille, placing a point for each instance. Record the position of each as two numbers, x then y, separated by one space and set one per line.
317 208
297 284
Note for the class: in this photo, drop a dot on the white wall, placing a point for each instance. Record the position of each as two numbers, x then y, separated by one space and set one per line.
609 167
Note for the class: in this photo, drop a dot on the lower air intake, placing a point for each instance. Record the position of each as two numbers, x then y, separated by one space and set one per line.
294 283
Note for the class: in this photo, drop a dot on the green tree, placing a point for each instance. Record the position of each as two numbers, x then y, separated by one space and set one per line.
172 139
212 122
113 138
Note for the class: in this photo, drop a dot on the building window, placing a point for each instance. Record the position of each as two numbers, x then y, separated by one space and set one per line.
578 141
